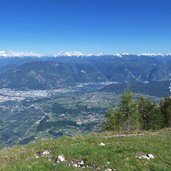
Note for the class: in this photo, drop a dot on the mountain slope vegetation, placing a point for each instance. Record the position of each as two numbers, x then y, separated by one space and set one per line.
98 151
51 72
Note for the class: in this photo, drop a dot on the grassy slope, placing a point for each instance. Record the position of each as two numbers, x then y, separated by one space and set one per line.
120 152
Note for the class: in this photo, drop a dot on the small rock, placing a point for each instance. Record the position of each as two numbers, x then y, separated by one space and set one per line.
102 144
144 156
108 169
78 163
59 159
150 156
39 154
75 165
46 152
81 163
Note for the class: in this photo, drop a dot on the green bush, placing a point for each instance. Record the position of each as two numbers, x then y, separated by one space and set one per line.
138 114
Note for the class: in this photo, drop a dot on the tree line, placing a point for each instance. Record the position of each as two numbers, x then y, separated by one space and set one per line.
138 114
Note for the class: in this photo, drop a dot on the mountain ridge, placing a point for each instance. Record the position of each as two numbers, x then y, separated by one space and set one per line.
11 53
48 72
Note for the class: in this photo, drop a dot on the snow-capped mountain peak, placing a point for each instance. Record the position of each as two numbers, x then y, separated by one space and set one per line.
11 53
69 54
100 54
121 54
153 54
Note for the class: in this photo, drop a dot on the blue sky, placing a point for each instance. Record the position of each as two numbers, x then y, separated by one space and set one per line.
89 26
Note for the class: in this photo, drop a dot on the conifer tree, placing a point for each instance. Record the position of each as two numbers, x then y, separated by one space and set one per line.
125 116
165 107
150 115
129 110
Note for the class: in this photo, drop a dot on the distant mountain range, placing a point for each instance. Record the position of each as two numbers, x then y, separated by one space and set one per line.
35 72
11 53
